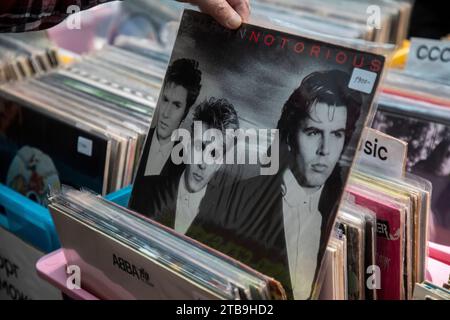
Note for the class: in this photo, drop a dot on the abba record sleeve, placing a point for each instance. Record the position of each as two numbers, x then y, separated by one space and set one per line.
113 270
252 140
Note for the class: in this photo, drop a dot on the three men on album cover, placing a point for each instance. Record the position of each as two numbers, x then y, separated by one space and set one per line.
274 212
288 214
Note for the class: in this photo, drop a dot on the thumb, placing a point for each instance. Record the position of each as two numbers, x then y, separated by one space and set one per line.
222 11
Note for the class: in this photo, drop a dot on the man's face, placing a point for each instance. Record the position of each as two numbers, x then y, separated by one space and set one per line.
320 142
198 175
171 112
444 168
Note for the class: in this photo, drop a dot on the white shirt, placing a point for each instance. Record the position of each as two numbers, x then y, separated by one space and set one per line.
188 205
158 156
302 225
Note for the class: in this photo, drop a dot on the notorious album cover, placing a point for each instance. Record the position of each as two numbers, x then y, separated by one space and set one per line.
251 144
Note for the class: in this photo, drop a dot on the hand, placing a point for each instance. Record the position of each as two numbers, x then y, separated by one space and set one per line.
229 13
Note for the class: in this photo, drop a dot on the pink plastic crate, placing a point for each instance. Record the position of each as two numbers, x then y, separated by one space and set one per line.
52 268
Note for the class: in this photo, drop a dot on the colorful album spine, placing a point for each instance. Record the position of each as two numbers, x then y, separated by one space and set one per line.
389 245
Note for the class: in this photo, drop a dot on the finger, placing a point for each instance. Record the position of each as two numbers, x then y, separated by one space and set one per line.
242 7
222 11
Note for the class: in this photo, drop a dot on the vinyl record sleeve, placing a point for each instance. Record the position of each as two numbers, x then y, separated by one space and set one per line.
171 262
352 226
404 196
116 123
238 204
89 91
370 252
40 151
57 107
102 277
334 286
390 236
123 140
428 138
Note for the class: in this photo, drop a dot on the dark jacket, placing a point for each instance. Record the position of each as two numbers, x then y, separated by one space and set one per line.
216 225
258 202
144 186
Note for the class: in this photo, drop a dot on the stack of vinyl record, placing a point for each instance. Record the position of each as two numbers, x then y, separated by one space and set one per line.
149 21
401 208
20 59
350 252
381 21
379 247
170 265
83 125
410 211
417 111
355 244
334 276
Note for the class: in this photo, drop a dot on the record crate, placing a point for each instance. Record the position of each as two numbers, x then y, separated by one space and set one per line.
32 222
27 219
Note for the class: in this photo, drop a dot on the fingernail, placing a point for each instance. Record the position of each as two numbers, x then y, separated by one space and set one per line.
234 21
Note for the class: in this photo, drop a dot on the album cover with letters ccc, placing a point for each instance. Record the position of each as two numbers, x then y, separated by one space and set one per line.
251 144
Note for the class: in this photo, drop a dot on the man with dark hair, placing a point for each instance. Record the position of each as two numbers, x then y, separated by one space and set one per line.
288 216
316 123
183 198
181 89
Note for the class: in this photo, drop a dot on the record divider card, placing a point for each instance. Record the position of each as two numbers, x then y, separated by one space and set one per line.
381 154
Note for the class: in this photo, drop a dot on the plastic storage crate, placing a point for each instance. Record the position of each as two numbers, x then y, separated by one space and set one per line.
32 222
